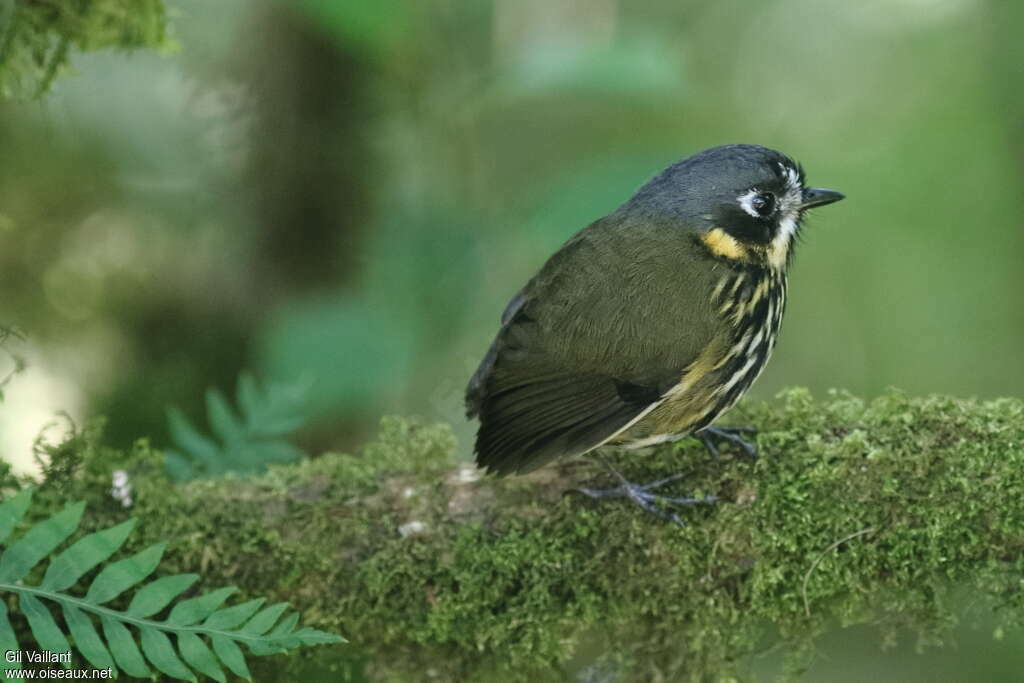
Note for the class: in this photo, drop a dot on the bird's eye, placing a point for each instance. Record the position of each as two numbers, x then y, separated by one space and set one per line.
763 204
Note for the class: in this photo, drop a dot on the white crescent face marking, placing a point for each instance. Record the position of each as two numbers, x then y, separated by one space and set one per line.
746 202
788 212
789 217
792 177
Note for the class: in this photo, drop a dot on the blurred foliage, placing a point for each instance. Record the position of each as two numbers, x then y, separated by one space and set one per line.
15 362
372 26
37 36
356 196
245 442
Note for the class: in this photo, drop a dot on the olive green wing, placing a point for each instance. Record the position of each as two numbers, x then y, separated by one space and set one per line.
532 411
586 348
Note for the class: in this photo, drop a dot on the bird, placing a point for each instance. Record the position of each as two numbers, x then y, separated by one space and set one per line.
648 324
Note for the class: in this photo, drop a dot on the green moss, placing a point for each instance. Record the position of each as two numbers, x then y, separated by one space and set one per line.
856 512
36 38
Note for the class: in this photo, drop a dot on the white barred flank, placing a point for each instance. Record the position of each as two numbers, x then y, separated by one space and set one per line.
753 338
759 302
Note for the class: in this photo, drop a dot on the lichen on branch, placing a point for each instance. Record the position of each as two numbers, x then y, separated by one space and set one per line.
855 512
37 37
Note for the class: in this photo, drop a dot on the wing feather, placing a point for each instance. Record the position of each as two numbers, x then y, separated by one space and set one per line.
577 358
570 416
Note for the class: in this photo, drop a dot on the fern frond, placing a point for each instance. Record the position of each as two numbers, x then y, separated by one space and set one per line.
208 635
243 443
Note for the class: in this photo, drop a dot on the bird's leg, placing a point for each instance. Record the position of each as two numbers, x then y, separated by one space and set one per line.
709 435
642 496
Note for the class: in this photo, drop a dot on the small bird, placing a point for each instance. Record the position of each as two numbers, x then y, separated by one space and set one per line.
649 323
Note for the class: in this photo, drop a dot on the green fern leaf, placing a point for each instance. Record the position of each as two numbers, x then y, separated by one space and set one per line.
262 622
230 617
120 576
207 634
87 640
287 625
276 411
157 594
160 651
223 421
11 512
179 468
190 440
195 610
232 656
29 550
8 641
248 395
85 554
312 636
44 628
247 440
122 646
199 656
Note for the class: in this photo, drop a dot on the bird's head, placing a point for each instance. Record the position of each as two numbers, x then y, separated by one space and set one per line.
745 201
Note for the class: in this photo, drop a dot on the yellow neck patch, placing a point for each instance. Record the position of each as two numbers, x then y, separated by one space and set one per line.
722 244
778 254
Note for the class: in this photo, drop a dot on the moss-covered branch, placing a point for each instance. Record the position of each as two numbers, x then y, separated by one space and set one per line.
855 512
37 36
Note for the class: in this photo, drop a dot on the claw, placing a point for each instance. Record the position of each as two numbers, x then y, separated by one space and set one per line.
708 435
642 496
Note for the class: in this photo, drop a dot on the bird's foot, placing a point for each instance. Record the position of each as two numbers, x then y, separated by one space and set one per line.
642 496
709 435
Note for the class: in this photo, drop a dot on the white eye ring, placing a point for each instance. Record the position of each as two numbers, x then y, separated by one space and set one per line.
758 204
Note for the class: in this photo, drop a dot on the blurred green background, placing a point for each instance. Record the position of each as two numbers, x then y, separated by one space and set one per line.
351 191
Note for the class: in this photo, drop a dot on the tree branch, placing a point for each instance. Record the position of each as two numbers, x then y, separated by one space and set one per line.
854 512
